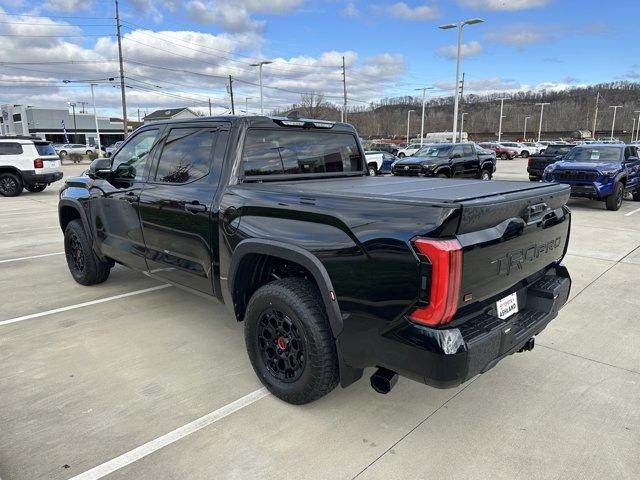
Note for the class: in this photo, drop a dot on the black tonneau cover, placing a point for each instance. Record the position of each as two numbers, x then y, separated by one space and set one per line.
483 204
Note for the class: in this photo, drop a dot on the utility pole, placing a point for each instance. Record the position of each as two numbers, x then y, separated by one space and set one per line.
233 107
209 107
424 92
638 129
524 134
75 130
501 117
541 113
461 92
95 116
462 124
138 114
122 92
595 115
82 104
344 92
613 122
408 123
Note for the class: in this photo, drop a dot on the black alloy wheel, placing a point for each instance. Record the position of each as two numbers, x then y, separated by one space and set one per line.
75 255
10 184
36 188
281 345
614 201
85 267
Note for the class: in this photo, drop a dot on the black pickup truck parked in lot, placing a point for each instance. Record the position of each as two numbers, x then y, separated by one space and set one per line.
331 270
448 160
537 163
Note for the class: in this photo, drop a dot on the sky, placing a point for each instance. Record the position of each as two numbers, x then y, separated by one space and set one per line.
180 53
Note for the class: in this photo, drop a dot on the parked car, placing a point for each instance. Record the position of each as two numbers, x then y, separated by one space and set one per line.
27 163
330 270
110 150
599 172
409 150
448 160
521 149
504 153
537 163
386 147
79 148
379 162
534 148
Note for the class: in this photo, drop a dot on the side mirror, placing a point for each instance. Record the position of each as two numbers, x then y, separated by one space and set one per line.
631 158
100 168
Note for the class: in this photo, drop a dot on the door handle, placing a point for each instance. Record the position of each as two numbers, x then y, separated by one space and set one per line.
195 207
131 197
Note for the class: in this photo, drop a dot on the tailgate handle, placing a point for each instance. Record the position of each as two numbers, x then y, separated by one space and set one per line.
534 212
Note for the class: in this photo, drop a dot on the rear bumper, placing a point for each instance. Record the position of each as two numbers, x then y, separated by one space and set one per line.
33 178
445 358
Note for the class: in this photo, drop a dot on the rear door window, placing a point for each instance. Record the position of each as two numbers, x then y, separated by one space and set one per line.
7 148
186 155
278 152
467 151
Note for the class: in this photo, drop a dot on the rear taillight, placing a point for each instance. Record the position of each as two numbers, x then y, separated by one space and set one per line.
38 163
445 257
530 161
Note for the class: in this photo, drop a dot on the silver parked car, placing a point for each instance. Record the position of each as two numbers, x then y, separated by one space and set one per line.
69 148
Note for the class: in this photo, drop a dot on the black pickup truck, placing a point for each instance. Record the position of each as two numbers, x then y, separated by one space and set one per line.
448 160
537 163
331 270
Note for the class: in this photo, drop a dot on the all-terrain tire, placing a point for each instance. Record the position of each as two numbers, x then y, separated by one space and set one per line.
36 188
289 313
485 174
614 201
85 267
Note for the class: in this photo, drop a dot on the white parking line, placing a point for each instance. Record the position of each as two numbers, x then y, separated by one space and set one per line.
32 256
30 229
632 212
83 304
171 437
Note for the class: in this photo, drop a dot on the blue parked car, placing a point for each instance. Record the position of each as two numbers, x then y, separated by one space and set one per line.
599 171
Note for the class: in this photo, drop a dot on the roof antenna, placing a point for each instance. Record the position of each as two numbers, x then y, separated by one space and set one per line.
294 114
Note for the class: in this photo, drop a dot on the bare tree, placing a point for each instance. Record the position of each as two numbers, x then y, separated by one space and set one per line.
311 104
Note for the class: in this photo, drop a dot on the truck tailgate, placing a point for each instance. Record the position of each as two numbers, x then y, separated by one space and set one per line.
506 241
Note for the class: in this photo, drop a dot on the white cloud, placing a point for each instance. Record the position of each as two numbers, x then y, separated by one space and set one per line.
235 15
470 49
405 12
350 10
525 34
505 5
67 6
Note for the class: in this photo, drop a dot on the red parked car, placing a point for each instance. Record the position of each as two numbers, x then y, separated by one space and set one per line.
502 152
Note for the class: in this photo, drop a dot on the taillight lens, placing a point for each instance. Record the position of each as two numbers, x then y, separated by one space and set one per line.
530 161
38 163
445 257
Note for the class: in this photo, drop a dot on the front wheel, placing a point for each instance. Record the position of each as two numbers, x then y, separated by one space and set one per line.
372 171
524 154
485 175
36 188
85 267
10 184
401 155
504 156
614 201
289 341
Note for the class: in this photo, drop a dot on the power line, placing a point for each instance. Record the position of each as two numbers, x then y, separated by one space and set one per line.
56 36
59 25
54 16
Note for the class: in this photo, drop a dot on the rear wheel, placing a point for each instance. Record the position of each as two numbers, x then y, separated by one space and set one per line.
614 201
504 156
372 171
85 267
10 184
442 175
401 155
485 175
36 188
289 341
524 154
62 153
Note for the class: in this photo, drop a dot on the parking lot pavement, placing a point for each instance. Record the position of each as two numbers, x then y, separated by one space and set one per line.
103 379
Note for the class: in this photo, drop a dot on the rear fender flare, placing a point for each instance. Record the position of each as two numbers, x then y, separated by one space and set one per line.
298 255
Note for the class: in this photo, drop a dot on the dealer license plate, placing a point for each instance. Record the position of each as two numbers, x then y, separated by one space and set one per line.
507 306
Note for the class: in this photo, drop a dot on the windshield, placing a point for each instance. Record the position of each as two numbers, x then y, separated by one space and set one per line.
557 149
433 152
46 149
599 154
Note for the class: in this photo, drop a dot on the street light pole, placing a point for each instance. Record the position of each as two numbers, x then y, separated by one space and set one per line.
462 124
524 133
424 92
75 130
633 129
541 113
501 117
613 122
246 105
638 124
259 65
458 25
408 120
95 117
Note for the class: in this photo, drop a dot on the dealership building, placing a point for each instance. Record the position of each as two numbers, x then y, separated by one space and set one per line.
52 123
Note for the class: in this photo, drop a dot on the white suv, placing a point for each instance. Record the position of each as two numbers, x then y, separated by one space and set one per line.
29 163
409 150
